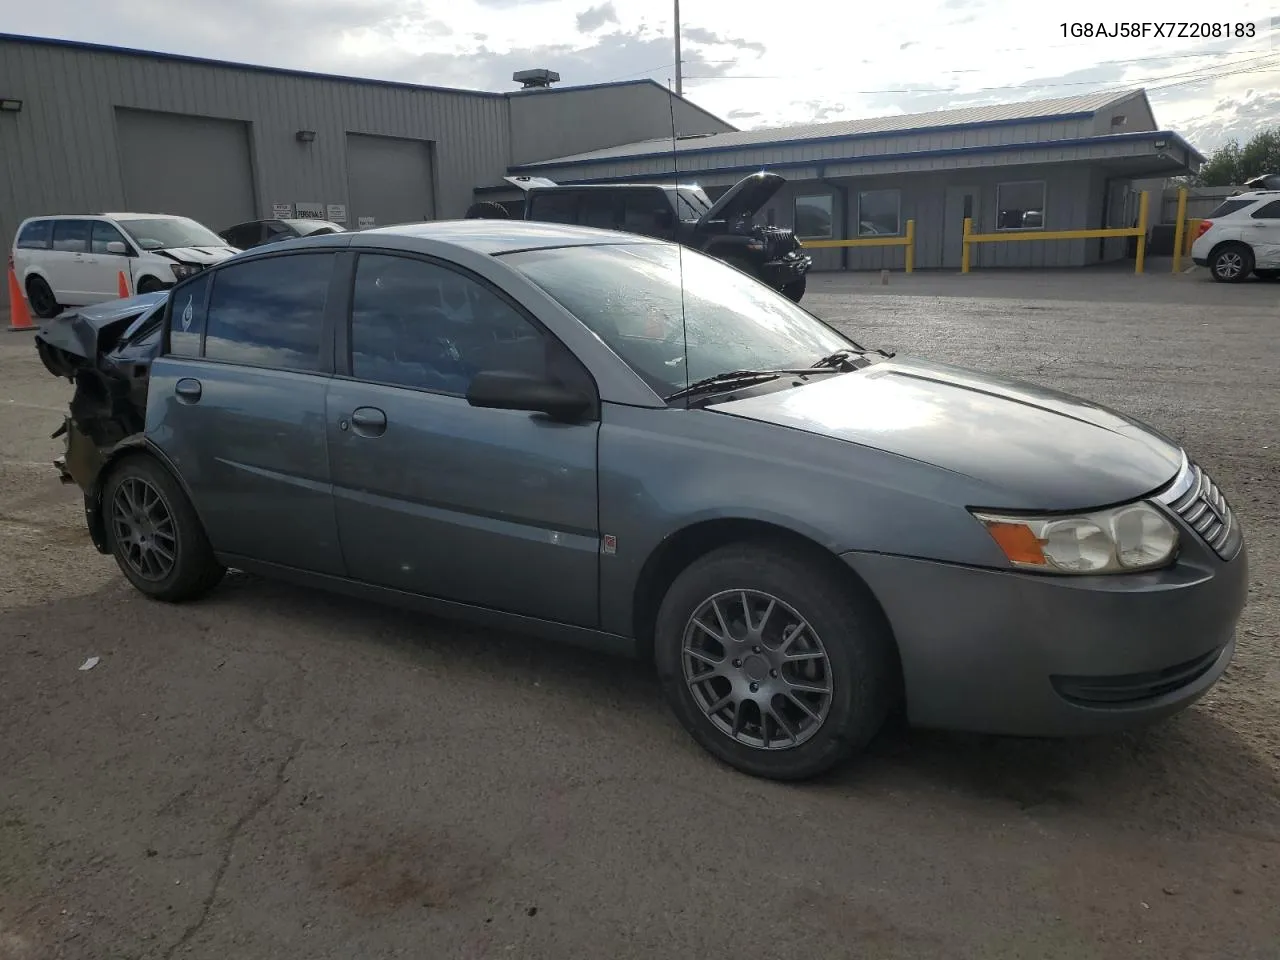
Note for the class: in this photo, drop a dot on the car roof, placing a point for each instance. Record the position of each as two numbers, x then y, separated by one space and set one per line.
503 236
141 216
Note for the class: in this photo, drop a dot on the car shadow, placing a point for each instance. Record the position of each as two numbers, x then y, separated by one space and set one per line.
1193 771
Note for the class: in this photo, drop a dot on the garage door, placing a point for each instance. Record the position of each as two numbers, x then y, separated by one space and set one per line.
389 181
196 167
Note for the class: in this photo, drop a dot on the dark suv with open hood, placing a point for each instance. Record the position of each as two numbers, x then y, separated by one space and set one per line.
724 229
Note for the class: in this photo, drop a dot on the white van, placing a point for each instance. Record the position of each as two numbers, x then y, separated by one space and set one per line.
72 261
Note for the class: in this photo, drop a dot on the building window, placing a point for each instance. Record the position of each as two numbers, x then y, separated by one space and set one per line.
879 213
813 217
1020 206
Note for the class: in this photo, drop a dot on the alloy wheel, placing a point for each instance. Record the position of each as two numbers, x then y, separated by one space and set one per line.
144 529
1229 265
757 669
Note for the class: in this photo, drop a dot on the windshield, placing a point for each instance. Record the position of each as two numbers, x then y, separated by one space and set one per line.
169 233
630 296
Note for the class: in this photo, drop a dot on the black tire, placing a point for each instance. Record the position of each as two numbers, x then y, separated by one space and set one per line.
43 303
858 667
794 290
149 285
1231 263
194 570
1267 274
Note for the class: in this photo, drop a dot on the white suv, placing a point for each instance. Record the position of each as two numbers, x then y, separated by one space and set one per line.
1240 237
77 260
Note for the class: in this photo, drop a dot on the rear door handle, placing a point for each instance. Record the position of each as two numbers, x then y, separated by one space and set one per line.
188 389
368 421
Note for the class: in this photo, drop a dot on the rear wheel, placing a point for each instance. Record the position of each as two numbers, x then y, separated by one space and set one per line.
795 289
154 533
43 303
1231 263
773 664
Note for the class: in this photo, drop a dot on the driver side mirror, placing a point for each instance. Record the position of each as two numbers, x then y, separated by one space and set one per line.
117 248
500 390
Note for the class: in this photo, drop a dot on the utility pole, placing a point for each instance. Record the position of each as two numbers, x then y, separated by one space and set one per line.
679 66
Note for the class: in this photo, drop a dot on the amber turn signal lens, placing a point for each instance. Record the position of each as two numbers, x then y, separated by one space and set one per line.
1019 542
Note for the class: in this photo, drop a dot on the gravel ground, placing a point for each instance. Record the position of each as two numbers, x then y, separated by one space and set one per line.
275 773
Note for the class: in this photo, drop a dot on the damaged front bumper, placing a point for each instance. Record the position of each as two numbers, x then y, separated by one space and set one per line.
81 464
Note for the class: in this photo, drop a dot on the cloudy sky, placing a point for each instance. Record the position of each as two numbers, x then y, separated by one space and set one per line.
756 63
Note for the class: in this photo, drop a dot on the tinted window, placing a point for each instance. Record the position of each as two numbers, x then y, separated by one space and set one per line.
36 235
104 233
417 324
1270 211
1228 207
600 209
244 235
269 313
186 317
553 207
71 236
692 204
647 212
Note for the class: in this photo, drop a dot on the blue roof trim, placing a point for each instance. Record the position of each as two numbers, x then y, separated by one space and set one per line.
876 158
340 78
808 141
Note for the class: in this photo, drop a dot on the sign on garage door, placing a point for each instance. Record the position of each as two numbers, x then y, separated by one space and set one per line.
187 165
389 179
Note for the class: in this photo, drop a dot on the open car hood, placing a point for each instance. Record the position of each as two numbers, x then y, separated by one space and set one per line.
744 198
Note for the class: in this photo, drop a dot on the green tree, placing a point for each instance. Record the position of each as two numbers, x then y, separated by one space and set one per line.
1231 165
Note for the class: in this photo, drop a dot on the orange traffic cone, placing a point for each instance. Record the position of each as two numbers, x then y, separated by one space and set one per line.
19 315
122 285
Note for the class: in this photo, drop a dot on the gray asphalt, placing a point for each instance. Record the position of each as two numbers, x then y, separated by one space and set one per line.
274 773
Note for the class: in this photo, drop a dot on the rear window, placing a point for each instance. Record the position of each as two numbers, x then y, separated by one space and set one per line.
1228 207
36 235
553 207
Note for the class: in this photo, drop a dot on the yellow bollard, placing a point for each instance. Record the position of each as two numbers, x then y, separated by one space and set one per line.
1141 258
911 245
964 244
1180 230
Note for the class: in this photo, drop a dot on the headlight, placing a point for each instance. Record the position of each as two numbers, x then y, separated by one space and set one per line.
183 270
1120 540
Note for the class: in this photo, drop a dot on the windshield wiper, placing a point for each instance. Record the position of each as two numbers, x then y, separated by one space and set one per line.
734 378
841 358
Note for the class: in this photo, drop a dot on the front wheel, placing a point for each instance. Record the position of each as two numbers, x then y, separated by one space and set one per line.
795 289
1231 263
154 533
773 664
149 285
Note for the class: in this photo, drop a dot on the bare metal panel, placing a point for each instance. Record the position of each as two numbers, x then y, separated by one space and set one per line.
196 167
389 180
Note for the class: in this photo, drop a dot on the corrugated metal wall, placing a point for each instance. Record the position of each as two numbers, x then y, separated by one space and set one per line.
1069 195
621 114
60 154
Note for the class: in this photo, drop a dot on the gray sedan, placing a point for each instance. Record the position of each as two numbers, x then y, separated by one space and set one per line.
605 439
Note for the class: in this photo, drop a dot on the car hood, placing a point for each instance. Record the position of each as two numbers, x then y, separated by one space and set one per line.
77 331
1034 448
200 255
744 198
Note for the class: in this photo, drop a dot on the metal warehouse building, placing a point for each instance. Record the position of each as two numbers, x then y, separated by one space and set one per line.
1067 164
87 128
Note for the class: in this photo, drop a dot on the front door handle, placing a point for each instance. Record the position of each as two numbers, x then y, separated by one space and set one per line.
188 389
368 421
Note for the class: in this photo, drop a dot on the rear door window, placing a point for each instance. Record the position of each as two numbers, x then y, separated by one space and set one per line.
269 312
186 315
601 209
36 235
1228 207
555 206
71 236
647 212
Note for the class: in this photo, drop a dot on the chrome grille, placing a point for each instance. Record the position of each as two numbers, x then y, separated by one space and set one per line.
1197 500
